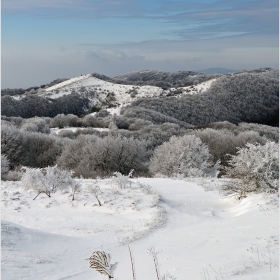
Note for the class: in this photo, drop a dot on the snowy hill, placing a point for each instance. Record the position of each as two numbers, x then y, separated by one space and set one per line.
89 93
108 94
196 232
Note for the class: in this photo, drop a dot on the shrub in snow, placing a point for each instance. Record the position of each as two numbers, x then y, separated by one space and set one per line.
185 155
34 179
59 121
122 181
219 142
92 156
121 122
5 166
102 114
222 143
12 143
30 127
14 175
47 180
95 191
35 125
257 168
62 120
32 149
41 150
270 132
58 179
89 121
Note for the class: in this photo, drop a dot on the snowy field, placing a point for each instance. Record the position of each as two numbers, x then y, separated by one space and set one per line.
197 232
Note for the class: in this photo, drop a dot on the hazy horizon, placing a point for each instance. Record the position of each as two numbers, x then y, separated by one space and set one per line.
67 38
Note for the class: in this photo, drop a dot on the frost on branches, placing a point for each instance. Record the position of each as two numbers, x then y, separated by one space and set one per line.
185 155
256 167
122 181
48 180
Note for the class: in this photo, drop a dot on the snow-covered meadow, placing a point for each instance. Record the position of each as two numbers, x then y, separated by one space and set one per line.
196 231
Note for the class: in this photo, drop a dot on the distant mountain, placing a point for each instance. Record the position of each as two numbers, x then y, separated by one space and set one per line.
217 70
87 93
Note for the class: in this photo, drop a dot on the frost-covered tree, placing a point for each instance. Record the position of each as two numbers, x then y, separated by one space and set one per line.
58 179
59 121
41 150
32 125
34 179
185 155
5 166
89 121
62 120
222 143
122 181
12 143
257 168
48 180
92 156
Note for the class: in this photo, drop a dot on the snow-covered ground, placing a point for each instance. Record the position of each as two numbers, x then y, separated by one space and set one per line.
122 92
100 89
197 233
68 82
56 130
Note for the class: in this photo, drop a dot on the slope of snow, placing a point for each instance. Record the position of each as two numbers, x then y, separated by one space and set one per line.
68 82
199 88
197 234
100 91
104 94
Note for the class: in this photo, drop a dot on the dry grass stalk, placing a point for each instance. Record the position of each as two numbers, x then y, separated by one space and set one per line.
132 262
100 261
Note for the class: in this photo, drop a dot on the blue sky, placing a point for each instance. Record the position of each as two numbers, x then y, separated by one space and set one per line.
44 40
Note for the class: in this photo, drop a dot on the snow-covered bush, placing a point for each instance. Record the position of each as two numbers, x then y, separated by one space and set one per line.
30 127
35 125
34 179
58 179
270 132
62 120
92 156
185 155
257 168
223 142
12 143
47 180
14 175
122 181
95 191
89 121
31 149
5 166
41 150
